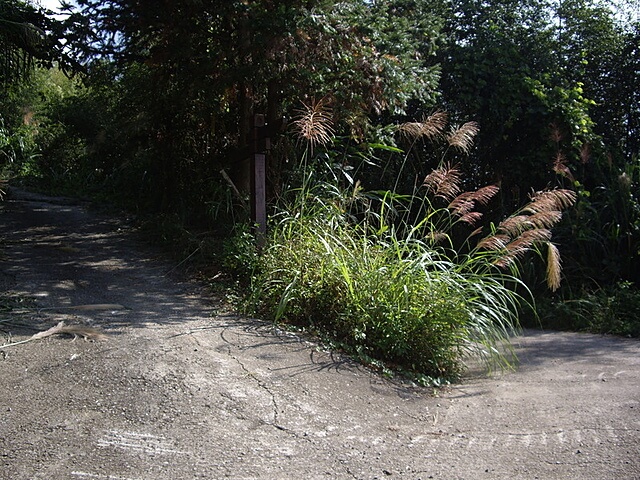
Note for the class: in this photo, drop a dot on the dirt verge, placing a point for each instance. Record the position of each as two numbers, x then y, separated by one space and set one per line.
181 389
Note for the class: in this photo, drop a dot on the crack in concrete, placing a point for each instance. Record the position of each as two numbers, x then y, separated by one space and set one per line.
275 423
261 384
264 387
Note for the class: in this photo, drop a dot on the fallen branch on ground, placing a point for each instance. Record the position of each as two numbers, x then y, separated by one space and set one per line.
88 333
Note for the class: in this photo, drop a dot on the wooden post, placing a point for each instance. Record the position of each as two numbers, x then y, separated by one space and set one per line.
258 179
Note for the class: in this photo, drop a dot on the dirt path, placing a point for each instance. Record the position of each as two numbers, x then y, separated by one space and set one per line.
182 391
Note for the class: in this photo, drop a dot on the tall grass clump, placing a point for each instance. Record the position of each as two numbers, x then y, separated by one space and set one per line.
381 275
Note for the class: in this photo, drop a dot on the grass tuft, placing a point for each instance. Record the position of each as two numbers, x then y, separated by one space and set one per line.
384 296
385 275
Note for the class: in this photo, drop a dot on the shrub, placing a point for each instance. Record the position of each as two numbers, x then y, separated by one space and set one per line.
611 310
386 275
384 297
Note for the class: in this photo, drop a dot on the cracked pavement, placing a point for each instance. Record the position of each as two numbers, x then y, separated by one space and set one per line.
182 389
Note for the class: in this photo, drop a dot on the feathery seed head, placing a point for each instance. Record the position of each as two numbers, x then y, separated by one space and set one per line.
462 137
560 166
314 122
437 237
522 244
585 153
484 195
556 134
430 127
471 218
554 267
444 182
494 242
526 239
515 225
557 199
461 204
545 219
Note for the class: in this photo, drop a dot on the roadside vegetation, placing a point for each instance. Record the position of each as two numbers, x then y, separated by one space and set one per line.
439 174
389 277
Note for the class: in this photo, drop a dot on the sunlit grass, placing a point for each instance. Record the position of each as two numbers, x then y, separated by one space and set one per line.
385 275
388 298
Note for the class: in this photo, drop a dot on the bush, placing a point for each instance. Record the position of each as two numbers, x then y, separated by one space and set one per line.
396 300
612 310
17 149
393 277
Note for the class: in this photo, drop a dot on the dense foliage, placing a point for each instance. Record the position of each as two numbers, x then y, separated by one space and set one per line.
28 36
554 87
190 77
388 276
158 118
